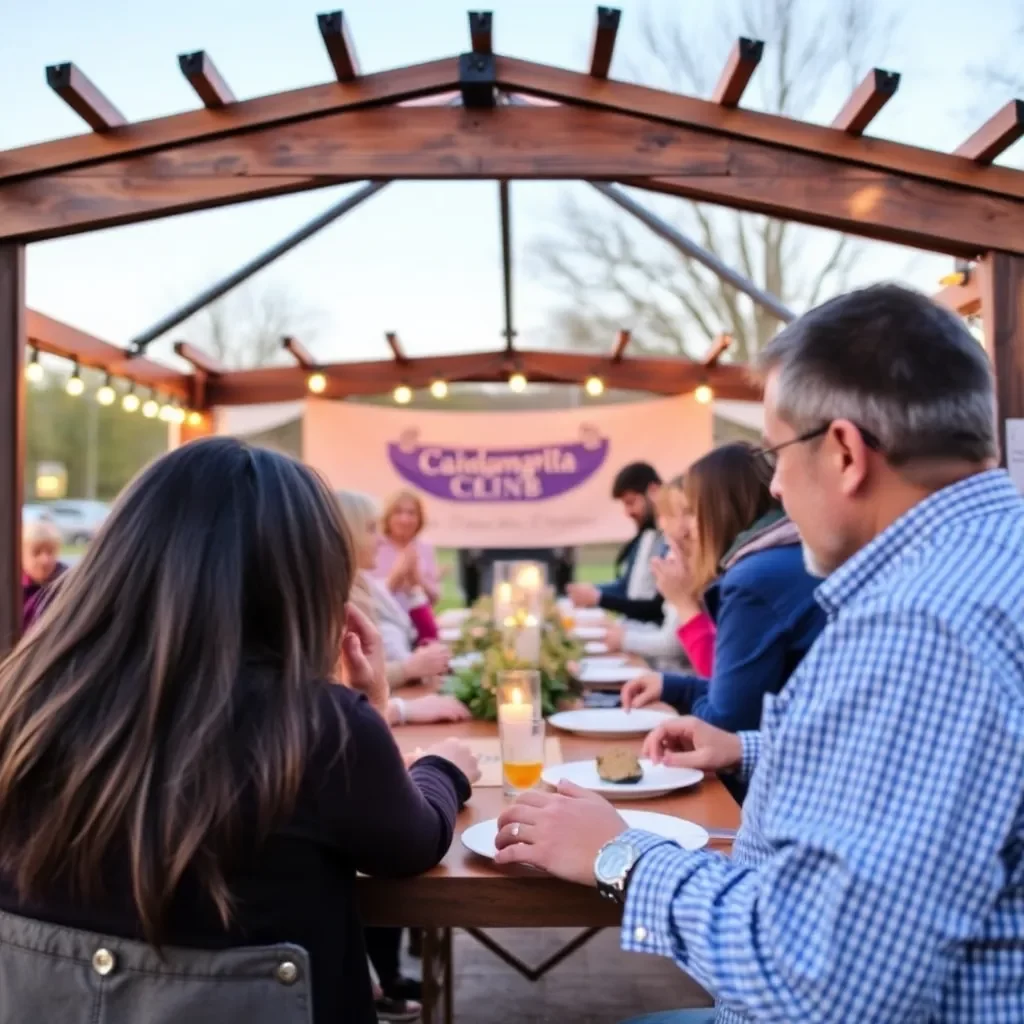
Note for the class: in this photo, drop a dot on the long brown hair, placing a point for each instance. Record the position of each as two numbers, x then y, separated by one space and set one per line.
174 672
727 491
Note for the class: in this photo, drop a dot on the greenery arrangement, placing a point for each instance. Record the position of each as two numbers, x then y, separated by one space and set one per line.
476 686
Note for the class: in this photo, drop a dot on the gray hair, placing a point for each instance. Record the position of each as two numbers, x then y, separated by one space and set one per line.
358 510
894 363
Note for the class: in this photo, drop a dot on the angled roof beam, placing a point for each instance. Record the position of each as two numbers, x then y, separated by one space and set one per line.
243 273
877 88
718 349
199 359
739 68
79 93
505 209
996 135
203 76
481 24
396 347
621 342
689 248
335 33
603 46
298 352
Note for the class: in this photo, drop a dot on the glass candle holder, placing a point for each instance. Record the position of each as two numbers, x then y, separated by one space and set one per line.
518 593
520 730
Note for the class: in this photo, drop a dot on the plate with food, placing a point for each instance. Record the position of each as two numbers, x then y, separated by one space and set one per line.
610 722
620 775
479 838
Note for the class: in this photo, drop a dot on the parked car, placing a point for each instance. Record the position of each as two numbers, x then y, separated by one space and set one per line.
78 521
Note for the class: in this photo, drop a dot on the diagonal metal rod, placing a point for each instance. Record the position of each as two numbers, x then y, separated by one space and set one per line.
685 245
506 259
138 344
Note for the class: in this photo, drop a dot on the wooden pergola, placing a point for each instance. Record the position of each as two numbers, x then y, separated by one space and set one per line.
484 115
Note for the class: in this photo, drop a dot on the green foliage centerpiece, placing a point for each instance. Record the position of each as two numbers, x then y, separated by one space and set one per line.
475 686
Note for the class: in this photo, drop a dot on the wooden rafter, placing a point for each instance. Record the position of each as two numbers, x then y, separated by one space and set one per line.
396 347
739 68
340 48
298 352
77 90
621 342
876 89
603 46
203 362
718 349
202 74
481 31
996 135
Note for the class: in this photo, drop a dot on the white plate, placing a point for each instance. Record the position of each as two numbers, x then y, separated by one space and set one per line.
589 633
453 617
583 616
609 721
595 647
610 675
479 838
658 779
464 661
449 635
603 661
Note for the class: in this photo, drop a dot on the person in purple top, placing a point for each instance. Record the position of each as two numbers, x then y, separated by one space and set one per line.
41 568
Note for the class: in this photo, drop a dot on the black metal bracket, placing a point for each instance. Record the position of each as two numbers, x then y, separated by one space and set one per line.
477 80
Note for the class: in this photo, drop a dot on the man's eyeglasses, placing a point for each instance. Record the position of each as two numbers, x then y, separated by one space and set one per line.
770 456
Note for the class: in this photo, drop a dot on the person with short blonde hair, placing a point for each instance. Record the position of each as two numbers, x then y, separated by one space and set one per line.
405 562
41 567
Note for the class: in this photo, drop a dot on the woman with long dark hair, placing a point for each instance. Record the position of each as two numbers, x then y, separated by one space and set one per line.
178 762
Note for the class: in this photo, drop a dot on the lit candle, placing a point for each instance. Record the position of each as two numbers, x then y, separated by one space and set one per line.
516 712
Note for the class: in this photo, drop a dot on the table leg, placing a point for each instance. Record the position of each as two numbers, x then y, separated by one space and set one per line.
438 976
449 978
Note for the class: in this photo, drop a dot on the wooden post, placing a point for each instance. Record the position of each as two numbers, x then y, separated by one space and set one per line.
12 438
1002 310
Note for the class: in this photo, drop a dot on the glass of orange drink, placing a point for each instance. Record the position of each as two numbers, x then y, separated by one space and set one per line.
520 730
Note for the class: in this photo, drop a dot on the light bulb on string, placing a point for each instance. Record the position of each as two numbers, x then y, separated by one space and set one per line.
195 419
439 389
594 386
106 395
517 382
34 372
403 394
703 393
75 386
317 383
131 401
166 413
151 408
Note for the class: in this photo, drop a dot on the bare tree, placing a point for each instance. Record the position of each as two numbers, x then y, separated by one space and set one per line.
615 274
244 328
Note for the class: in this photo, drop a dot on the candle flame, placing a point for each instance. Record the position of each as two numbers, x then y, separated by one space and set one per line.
529 577
517 696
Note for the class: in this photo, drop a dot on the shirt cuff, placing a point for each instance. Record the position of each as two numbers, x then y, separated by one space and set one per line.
751 743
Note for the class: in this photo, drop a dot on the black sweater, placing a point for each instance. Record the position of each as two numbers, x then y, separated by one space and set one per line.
360 812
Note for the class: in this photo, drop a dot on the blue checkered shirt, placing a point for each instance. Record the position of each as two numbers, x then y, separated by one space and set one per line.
878 877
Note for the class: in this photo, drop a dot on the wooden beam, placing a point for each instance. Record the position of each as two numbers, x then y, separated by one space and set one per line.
12 439
603 46
199 359
718 349
202 74
1002 310
877 88
385 87
79 93
505 218
517 142
298 352
396 347
621 342
996 135
964 299
61 339
340 48
481 35
739 68
753 126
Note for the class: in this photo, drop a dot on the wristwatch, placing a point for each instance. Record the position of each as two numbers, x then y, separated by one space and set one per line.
612 867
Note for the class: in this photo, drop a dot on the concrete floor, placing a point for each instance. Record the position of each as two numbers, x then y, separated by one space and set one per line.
598 984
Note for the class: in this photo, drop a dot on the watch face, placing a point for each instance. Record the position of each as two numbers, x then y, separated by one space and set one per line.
614 862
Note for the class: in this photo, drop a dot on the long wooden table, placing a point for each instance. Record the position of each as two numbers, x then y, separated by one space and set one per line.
471 892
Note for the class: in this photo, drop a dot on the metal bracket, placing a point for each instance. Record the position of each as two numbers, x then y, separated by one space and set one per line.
478 78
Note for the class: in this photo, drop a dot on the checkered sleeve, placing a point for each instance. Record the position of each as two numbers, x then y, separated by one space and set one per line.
751 742
847 916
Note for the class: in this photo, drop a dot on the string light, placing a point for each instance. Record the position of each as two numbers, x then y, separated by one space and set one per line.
166 413
403 394
151 408
703 393
594 386
131 401
195 419
439 389
106 395
75 386
517 382
317 383
34 369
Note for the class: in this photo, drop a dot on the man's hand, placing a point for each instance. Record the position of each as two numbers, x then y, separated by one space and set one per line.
362 659
583 595
560 832
691 743
645 689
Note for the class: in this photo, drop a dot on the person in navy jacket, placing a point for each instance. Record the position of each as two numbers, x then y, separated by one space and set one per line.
747 558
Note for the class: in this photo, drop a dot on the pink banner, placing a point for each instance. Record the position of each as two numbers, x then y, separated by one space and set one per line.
519 479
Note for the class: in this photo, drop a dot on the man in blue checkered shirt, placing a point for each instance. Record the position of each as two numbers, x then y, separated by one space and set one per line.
879 872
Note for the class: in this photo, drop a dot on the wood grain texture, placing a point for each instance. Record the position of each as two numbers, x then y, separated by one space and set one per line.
996 135
875 90
739 68
513 142
209 84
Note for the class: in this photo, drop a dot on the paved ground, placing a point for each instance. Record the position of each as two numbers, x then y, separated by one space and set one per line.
598 984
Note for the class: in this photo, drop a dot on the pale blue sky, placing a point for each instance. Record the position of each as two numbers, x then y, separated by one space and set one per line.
420 258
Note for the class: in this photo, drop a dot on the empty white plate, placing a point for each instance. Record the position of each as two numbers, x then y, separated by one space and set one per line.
658 779
464 661
595 647
589 632
603 661
453 617
588 616
609 721
479 838
449 635
610 675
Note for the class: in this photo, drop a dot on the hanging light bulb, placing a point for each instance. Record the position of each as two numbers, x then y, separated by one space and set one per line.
517 382
703 393
439 389
317 383
106 395
75 385
195 419
131 401
166 412
151 408
403 394
594 386
34 369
